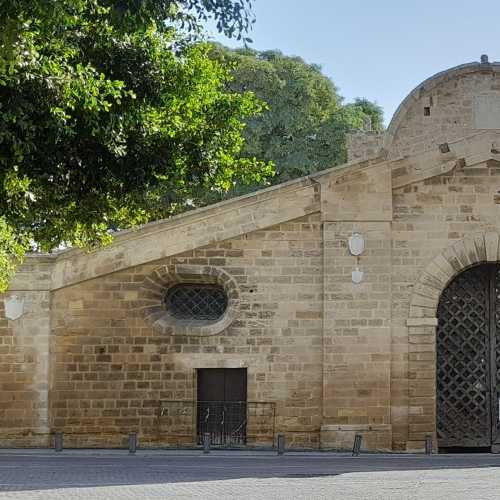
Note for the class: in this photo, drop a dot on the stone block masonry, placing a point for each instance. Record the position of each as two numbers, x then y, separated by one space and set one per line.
94 352
111 368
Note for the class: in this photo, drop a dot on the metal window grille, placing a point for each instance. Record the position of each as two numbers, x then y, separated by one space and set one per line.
196 301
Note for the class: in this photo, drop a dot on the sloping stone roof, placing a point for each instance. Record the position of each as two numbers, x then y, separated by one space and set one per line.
346 192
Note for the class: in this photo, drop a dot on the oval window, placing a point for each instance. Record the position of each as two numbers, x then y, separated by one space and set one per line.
196 301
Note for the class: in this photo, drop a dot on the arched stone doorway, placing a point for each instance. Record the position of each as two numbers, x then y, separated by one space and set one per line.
474 250
468 359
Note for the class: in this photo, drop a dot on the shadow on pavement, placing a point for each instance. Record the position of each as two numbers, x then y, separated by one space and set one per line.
69 469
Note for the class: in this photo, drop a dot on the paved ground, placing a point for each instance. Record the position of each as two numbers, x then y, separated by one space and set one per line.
113 475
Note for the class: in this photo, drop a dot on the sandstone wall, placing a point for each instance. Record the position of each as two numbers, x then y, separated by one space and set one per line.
111 369
24 358
335 357
445 108
357 316
429 217
363 144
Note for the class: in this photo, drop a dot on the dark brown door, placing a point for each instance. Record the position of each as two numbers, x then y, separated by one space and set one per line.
222 405
467 359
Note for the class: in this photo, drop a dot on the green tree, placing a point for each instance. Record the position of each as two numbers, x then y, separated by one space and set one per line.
371 110
112 114
304 128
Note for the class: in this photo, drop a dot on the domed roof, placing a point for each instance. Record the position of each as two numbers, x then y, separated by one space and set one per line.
428 86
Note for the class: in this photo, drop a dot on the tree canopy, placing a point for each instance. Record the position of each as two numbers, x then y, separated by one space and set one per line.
372 110
304 127
117 112
112 113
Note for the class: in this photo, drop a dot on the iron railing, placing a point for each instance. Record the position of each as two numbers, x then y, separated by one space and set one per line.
229 423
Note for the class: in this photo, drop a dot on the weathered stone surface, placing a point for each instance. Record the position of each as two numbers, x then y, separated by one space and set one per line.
94 354
357 194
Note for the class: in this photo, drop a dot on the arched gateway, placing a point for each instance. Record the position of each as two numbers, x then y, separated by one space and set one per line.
256 316
468 359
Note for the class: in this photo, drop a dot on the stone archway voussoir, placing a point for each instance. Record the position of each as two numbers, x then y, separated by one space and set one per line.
423 301
480 247
427 290
491 244
462 254
421 312
466 252
470 249
453 260
435 280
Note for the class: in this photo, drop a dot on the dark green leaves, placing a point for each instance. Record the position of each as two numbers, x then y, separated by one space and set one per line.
109 118
304 127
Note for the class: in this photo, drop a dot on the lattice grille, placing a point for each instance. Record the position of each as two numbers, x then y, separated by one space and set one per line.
463 350
495 407
196 301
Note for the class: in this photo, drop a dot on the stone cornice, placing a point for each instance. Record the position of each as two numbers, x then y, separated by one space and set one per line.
262 209
468 151
188 231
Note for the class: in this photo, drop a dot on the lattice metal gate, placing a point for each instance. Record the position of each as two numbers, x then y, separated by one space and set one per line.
467 359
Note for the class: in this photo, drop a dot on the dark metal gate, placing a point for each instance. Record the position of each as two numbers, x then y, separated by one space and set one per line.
467 359
179 424
222 406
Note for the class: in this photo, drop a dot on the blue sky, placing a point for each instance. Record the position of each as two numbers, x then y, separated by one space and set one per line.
378 49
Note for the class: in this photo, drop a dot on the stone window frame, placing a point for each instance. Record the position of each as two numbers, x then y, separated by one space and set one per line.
156 284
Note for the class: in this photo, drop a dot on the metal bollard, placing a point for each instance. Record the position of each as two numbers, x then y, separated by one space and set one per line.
206 443
132 442
281 444
357 445
58 441
428 444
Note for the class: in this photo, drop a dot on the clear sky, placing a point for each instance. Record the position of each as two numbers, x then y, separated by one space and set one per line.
378 49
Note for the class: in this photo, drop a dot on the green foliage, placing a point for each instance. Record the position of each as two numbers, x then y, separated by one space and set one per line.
232 17
372 110
109 117
12 251
305 126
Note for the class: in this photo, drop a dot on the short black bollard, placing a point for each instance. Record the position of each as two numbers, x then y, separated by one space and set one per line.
281 444
428 444
58 441
357 445
132 442
206 443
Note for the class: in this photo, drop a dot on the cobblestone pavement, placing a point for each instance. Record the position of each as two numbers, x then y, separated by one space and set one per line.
227 475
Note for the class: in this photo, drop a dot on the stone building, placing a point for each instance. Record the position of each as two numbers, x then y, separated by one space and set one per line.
362 299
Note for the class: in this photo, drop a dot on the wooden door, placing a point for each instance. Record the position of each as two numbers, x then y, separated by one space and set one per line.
222 405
